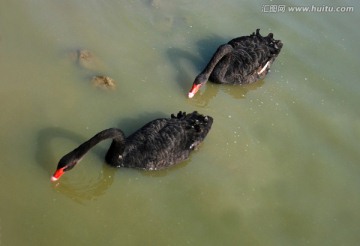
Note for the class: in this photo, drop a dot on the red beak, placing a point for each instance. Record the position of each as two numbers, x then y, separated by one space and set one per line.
58 173
193 90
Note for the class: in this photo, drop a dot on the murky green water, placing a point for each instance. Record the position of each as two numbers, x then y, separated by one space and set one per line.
280 166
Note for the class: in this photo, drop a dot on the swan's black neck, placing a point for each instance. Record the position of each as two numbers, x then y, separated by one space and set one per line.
116 134
114 154
223 50
75 156
68 161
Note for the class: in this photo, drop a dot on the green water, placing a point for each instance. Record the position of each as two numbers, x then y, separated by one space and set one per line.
279 167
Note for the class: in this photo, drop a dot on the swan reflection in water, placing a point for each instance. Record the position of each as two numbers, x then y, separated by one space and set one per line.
83 188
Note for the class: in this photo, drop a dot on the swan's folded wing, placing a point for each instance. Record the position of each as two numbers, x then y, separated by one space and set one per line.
158 144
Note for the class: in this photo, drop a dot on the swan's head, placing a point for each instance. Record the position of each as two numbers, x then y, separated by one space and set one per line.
199 81
66 163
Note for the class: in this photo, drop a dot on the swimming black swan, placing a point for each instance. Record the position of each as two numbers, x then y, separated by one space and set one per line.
243 60
158 144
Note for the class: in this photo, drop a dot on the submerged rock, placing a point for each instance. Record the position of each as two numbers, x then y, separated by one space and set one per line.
92 65
86 59
104 82
155 3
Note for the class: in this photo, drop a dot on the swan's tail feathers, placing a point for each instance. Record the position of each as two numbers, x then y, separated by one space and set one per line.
198 126
179 115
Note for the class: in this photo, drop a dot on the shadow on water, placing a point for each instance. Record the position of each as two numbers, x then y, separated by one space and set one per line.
85 188
46 136
206 48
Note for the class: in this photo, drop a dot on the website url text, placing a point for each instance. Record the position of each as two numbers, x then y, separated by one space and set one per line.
278 8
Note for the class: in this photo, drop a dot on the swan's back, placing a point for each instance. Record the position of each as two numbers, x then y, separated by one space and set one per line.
250 53
164 142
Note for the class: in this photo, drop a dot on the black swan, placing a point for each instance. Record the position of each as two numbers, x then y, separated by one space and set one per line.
242 60
158 144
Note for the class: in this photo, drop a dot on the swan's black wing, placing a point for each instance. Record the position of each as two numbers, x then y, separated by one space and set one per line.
164 142
250 54
244 63
158 144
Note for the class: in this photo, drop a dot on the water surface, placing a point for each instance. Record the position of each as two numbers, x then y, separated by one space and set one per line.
279 167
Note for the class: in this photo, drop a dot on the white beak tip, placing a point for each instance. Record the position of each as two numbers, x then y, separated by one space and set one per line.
53 179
